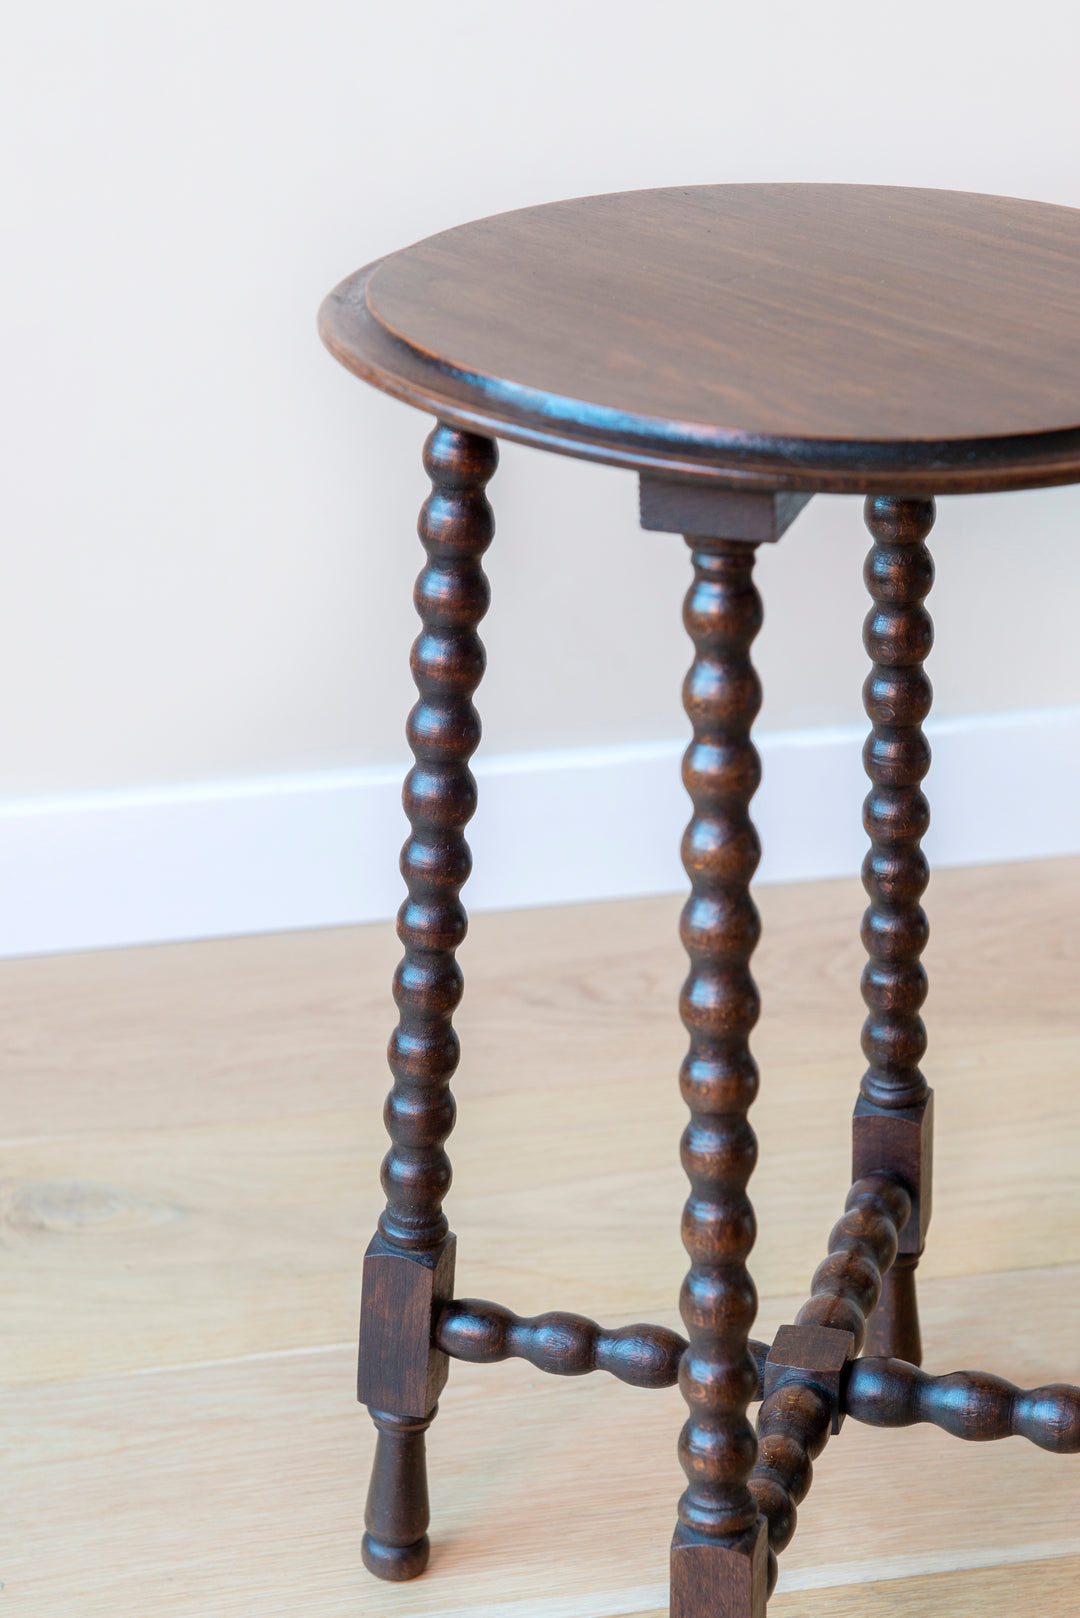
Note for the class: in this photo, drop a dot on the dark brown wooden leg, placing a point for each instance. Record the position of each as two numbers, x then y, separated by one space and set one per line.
409 1267
807 1366
396 1545
893 1125
895 1321
718 1555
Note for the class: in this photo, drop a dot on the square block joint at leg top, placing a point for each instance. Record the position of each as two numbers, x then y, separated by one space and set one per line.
400 1372
707 510
898 1141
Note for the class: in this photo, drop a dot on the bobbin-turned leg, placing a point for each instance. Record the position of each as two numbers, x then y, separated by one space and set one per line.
718 1555
409 1266
893 1123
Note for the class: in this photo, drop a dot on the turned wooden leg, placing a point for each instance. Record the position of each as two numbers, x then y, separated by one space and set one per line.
893 1125
718 1555
894 1331
396 1544
409 1266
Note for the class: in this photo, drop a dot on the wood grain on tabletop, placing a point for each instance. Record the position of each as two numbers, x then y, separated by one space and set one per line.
816 336
188 1173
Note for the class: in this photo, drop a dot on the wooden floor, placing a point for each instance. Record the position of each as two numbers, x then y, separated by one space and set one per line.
188 1176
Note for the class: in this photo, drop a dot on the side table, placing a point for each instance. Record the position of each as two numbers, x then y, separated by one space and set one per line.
741 348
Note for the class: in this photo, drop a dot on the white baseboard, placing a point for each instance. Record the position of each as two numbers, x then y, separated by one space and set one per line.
90 870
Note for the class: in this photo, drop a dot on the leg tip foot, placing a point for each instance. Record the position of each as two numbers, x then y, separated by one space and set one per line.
395 1562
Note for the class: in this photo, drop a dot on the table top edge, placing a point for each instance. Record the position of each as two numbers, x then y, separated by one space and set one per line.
694 451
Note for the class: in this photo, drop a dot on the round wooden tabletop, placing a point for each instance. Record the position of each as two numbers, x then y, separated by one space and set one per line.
849 338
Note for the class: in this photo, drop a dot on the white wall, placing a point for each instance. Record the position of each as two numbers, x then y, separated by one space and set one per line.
208 532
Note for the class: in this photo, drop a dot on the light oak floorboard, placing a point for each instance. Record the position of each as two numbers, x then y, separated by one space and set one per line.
235 1490
206 1184
189 1147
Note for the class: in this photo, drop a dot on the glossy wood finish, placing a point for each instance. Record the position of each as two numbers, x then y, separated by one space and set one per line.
862 1245
408 1271
879 1392
851 338
395 1545
719 1080
742 347
439 797
967 1404
794 1425
893 1125
898 634
564 1345
894 1324
810 1353
796 1418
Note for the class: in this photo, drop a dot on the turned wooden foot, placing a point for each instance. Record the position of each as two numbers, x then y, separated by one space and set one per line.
396 1545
